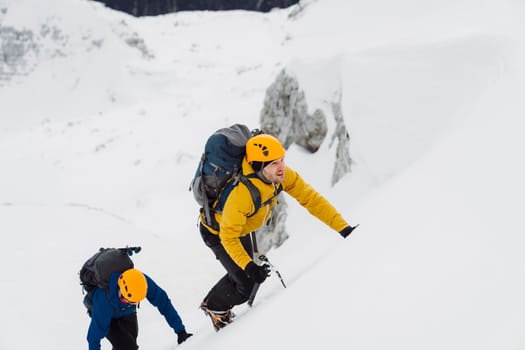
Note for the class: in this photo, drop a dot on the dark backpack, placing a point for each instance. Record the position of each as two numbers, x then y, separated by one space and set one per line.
97 270
220 169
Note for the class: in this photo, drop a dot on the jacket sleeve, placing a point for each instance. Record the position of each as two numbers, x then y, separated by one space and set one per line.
101 315
236 209
159 298
312 200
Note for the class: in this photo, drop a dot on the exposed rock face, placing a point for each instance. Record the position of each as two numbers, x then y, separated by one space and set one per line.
274 234
159 7
311 130
17 51
23 50
343 161
285 115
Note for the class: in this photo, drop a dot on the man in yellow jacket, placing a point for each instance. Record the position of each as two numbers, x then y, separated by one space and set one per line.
232 245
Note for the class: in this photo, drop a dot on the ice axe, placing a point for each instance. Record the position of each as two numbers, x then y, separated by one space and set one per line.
265 259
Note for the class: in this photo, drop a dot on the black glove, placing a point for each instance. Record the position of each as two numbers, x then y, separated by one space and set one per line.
347 231
256 272
182 336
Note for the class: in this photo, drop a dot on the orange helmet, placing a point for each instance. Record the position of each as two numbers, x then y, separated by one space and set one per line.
264 148
133 285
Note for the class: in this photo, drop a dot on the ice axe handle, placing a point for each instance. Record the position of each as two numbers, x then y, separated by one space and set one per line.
265 259
253 293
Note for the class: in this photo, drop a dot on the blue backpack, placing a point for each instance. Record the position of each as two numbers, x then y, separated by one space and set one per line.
220 170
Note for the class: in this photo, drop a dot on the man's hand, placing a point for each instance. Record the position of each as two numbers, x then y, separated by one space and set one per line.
347 231
256 272
182 336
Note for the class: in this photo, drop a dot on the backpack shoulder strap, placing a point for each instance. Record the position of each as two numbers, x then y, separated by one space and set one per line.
256 195
254 192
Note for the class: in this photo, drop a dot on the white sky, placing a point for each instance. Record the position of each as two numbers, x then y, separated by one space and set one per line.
98 146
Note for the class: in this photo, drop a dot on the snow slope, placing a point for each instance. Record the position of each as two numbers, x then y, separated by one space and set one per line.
98 145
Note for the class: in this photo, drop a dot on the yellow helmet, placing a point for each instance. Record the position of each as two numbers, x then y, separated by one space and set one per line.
264 148
133 285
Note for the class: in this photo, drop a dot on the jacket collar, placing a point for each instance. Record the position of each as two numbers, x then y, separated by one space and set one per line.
248 170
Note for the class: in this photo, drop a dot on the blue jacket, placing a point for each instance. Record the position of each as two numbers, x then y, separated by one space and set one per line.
107 306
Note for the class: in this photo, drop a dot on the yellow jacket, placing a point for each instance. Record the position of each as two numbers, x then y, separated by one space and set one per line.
235 221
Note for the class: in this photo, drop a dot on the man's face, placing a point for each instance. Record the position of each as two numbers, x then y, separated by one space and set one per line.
274 172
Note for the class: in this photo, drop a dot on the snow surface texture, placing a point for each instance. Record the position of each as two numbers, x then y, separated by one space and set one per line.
102 129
